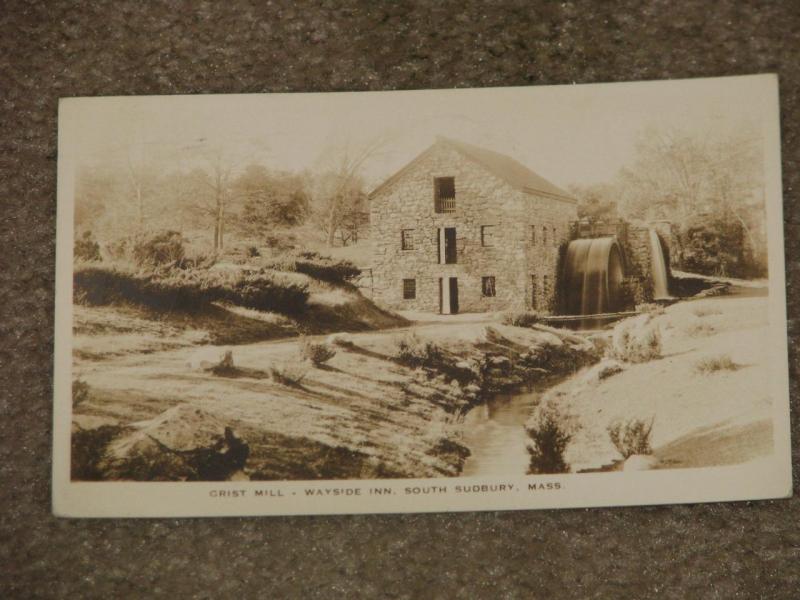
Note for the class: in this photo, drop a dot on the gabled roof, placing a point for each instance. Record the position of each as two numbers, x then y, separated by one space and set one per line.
504 167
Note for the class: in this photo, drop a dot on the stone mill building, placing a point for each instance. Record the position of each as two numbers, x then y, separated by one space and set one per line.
464 229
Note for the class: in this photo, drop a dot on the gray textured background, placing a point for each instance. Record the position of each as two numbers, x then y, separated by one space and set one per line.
742 550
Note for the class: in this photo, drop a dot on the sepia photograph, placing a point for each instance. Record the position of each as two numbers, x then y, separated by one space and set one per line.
421 300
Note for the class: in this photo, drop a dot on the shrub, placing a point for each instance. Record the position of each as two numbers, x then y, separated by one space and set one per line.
699 328
190 289
161 248
650 308
80 392
549 433
318 353
705 311
225 365
631 437
327 269
636 340
289 374
712 364
88 450
521 319
86 248
412 352
119 249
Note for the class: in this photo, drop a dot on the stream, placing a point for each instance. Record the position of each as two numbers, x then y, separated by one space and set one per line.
495 435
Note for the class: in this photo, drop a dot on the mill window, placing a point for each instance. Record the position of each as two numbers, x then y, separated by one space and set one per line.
444 194
533 234
487 287
409 289
407 239
533 292
544 234
487 235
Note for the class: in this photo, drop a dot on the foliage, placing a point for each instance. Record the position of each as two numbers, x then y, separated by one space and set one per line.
550 431
86 248
327 269
290 374
596 202
80 392
160 248
698 328
650 308
521 319
317 353
270 199
120 249
705 311
712 364
636 340
413 352
631 437
225 364
317 266
190 289
715 246
88 450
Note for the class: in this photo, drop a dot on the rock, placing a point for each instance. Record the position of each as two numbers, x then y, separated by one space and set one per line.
602 370
83 422
340 339
499 361
182 443
210 357
640 462
551 339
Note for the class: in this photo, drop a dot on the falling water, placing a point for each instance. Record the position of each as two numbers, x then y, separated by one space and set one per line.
658 266
592 277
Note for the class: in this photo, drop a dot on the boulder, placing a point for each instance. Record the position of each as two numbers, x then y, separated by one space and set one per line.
182 443
602 370
211 357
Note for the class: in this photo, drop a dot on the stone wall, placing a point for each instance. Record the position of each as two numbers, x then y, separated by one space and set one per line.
482 200
638 259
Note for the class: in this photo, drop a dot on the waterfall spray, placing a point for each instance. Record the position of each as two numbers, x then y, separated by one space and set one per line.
658 267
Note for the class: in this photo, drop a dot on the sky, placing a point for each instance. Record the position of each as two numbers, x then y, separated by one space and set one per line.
569 134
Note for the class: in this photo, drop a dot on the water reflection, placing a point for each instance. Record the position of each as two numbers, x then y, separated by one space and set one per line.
495 435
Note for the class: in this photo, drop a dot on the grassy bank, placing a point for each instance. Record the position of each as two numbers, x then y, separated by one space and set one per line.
706 393
121 311
387 404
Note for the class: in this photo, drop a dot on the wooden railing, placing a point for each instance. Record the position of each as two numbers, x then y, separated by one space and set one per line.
445 205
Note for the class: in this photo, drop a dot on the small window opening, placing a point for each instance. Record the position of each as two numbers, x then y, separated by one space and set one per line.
488 287
444 194
407 239
409 289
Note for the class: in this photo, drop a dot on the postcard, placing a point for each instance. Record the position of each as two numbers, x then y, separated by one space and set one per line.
412 301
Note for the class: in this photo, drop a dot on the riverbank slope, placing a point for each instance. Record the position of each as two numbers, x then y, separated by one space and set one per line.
706 410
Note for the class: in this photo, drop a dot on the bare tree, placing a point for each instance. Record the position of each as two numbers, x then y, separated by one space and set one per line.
216 177
337 192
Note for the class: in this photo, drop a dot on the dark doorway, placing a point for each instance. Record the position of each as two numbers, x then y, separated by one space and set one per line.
453 295
448 251
448 295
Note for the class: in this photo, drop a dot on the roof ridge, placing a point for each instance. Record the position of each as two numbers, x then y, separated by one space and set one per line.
512 172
